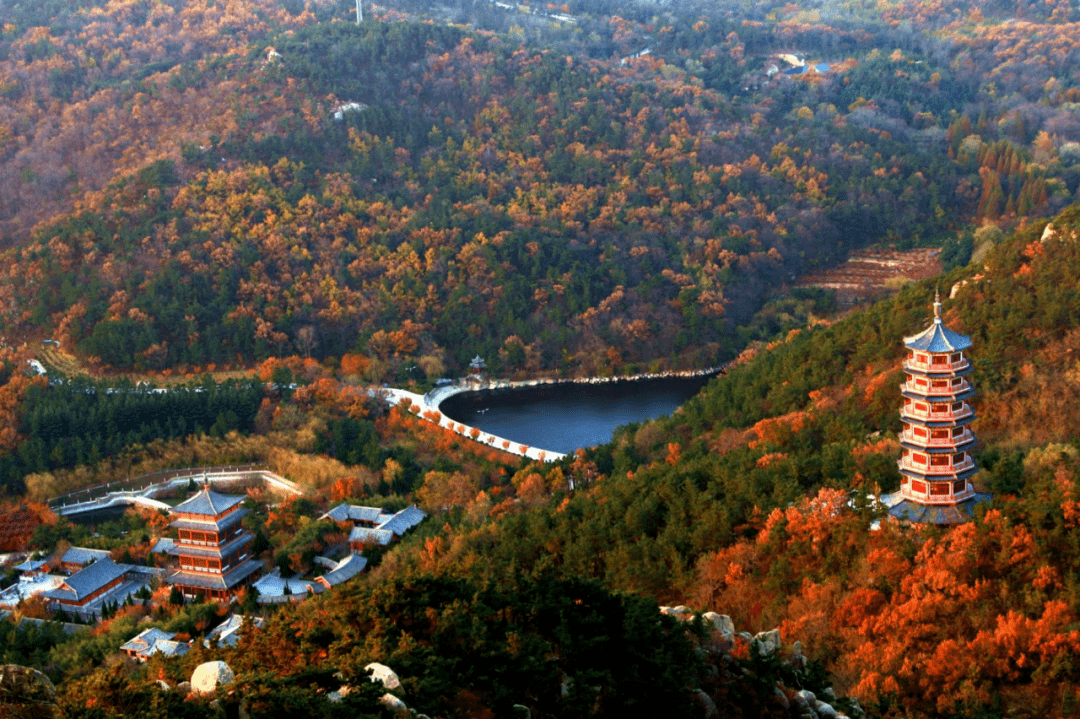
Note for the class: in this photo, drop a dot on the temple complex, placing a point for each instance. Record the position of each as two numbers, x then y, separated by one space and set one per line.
212 546
936 463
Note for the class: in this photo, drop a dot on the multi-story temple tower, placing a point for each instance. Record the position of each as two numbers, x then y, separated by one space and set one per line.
212 546
936 464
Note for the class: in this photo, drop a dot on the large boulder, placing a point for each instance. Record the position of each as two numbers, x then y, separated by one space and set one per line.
384 674
768 642
394 704
706 705
682 612
209 676
721 622
26 693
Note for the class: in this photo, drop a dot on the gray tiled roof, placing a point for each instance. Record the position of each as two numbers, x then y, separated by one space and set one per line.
228 632
404 520
30 565
146 639
89 579
170 648
345 570
271 586
210 503
346 512
83 555
371 536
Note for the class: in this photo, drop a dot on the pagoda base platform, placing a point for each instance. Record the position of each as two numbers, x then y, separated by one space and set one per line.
907 510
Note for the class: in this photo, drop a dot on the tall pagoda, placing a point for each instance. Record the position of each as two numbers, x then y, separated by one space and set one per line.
212 546
936 464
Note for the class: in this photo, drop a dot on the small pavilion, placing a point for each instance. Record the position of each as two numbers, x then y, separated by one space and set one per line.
477 369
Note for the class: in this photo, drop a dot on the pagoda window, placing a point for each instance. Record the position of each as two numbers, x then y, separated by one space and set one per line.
939 460
904 452
940 489
910 355
956 357
921 358
957 431
183 534
939 384
920 431
957 406
939 360
922 407
918 458
920 381
939 433
959 457
959 486
939 408
918 486
956 381
907 401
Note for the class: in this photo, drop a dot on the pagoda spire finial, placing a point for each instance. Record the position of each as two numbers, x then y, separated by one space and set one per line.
937 306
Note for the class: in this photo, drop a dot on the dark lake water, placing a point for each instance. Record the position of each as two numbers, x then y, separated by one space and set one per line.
567 416
98 516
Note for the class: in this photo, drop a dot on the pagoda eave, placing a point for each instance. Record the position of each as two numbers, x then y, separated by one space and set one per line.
940 371
910 511
219 525
938 423
965 446
942 397
203 580
964 474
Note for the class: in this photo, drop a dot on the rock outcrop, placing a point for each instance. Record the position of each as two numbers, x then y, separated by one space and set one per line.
26 693
731 661
767 642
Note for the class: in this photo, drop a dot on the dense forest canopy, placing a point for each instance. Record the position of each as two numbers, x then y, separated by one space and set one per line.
214 186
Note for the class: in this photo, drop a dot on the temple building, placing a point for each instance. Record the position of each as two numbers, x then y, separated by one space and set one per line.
936 462
212 546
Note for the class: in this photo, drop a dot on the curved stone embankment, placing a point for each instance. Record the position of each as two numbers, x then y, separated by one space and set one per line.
146 496
431 413
428 405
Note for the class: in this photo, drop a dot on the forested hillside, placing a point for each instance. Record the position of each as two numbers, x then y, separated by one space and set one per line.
757 498
418 192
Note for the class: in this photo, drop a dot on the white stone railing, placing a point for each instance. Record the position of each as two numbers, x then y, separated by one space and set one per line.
145 495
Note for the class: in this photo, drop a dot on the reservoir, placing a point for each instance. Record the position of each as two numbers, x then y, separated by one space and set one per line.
563 417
